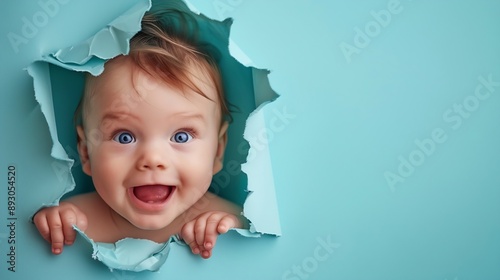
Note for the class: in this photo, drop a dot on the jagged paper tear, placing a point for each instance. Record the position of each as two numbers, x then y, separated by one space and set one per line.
58 84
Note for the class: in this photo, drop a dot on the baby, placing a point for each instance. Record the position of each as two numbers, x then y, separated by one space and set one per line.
152 134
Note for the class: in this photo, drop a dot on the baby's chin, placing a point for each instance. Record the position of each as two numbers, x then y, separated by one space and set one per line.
152 225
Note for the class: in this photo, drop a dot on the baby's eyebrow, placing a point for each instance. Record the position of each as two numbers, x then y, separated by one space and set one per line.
189 115
115 116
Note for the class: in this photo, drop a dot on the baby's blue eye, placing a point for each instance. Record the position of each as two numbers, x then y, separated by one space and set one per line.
124 137
181 137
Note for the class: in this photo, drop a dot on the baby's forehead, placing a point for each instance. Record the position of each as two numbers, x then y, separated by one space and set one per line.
123 82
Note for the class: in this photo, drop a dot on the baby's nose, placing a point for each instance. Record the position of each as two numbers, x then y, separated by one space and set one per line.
152 158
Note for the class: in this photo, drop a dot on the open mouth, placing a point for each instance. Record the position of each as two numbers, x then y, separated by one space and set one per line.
151 196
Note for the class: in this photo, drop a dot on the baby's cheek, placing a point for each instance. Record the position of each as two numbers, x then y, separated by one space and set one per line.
204 176
196 185
104 174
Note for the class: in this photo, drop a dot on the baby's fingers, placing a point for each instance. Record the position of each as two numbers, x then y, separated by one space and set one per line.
42 225
68 219
187 234
211 233
227 222
217 223
56 231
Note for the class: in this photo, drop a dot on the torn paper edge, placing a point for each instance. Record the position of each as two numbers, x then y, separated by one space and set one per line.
119 255
90 55
260 206
39 71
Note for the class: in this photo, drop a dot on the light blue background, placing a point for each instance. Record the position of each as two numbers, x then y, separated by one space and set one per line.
347 125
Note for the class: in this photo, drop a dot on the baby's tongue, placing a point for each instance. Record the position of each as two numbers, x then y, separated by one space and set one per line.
152 193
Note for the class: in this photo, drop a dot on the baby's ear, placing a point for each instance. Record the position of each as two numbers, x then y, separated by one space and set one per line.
221 147
83 150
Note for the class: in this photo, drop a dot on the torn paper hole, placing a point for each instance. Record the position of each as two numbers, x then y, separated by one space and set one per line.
58 81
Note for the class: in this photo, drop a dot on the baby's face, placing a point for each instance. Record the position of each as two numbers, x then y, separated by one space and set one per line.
156 148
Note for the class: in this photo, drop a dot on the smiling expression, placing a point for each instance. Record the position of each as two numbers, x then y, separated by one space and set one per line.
150 148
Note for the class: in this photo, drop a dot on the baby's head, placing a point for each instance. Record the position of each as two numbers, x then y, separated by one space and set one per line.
153 131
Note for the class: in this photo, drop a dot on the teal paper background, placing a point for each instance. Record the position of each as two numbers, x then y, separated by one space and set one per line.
336 129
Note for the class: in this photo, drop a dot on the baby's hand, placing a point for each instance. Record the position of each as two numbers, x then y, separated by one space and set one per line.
201 233
55 224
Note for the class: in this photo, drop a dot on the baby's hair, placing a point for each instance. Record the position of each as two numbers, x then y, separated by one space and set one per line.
166 48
